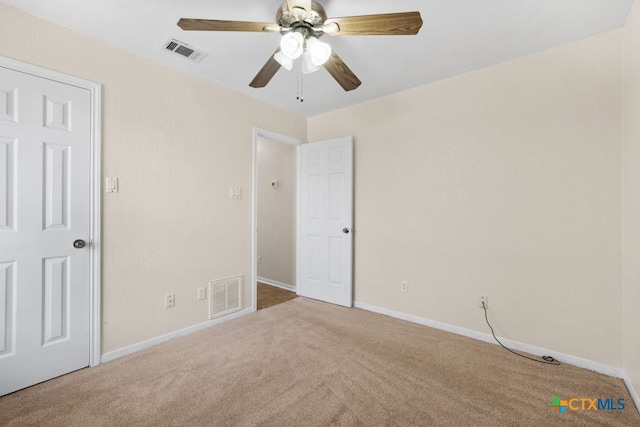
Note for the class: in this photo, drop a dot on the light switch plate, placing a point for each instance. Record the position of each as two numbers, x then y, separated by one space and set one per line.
235 192
111 185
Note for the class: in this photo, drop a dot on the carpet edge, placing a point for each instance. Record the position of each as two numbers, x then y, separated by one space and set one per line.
515 345
134 348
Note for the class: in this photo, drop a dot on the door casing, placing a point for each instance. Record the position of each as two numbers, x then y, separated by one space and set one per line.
95 90
254 273
261 133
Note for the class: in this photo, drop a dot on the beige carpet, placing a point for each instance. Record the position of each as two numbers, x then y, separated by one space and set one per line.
306 363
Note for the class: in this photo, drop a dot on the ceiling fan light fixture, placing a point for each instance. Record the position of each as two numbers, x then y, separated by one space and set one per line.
320 52
292 44
308 66
302 23
284 60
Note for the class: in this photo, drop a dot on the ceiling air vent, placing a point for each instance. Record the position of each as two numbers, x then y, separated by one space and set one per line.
184 50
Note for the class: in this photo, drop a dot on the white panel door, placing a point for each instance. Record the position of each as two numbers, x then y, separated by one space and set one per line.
325 212
44 208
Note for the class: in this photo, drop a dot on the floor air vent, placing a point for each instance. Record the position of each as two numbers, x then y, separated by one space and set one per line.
184 50
225 296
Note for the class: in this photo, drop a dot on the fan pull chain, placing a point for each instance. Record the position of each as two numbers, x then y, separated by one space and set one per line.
300 96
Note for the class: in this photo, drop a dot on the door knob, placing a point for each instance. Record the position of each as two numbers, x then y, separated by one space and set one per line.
79 244
345 230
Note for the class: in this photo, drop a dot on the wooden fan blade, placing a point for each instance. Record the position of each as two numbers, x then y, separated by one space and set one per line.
188 24
392 24
267 72
343 74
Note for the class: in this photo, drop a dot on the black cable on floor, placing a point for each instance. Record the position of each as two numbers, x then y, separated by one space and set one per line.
547 360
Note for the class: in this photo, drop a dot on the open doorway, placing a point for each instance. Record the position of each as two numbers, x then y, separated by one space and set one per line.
275 219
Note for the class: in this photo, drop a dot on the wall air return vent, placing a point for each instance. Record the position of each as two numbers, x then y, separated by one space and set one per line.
225 296
184 50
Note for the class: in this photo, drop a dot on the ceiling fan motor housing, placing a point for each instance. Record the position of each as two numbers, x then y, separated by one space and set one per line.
314 18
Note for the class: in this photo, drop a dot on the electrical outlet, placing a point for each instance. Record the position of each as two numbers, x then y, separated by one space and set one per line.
404 286
202 293
483 302
169 300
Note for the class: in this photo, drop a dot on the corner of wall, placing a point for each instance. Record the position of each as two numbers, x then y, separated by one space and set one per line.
631 202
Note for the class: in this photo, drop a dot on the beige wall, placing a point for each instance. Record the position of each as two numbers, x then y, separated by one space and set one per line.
276 211
631 197
502 182
177 143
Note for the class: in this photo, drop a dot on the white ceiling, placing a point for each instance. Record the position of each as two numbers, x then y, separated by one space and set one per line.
457 36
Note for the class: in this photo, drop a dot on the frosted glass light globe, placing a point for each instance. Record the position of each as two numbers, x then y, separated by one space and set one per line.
292 45
320 51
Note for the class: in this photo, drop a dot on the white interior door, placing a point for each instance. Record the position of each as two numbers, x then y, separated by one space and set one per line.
45 154
325 212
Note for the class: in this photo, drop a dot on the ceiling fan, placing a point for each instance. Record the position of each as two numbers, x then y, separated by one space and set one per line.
302 23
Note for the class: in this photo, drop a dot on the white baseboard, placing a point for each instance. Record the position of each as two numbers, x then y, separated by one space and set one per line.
115 354
632 391
564 358
277 284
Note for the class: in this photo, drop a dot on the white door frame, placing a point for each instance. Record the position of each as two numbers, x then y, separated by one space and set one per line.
257 133
95 90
